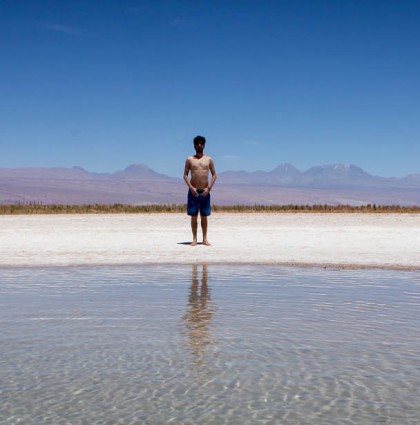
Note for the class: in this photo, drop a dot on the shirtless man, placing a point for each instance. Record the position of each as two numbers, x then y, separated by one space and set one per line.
199 187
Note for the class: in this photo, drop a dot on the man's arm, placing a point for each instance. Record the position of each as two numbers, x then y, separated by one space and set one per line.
186 178
213 178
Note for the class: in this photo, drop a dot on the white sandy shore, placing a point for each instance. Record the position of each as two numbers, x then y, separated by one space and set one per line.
338 240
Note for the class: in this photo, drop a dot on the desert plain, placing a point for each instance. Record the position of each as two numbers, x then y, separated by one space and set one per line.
342 240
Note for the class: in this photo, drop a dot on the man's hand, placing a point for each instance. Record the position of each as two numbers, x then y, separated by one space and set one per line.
194 191
206 191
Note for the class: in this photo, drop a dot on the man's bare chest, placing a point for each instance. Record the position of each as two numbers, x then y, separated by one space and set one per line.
201 164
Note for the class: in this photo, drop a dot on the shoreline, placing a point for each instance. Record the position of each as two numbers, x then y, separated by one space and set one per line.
317 240
329 266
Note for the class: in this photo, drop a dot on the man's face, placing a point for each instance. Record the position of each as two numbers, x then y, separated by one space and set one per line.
199 146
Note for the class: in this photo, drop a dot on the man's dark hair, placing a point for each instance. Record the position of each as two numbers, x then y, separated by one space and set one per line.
199 139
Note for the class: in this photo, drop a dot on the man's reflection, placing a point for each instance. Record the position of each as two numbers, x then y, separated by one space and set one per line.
198 318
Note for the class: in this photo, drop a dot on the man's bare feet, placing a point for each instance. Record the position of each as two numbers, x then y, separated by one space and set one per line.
194 243
206 242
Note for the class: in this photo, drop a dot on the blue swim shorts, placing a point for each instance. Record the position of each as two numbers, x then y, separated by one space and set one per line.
196 203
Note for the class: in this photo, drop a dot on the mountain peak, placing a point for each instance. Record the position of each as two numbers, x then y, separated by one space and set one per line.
140 172
337 174
138 168
285 168
78 168
347 168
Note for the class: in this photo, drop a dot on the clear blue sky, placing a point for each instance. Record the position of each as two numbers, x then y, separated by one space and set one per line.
104 84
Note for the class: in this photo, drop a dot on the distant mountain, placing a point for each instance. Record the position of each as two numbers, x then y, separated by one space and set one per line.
412 180
284 174
286 170
341 174
320 176
132 172
138 185
57 173
337 171
140 172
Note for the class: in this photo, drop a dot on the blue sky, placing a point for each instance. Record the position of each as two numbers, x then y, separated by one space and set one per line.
104 84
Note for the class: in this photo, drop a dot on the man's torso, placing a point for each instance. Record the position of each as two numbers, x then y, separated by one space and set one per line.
199 168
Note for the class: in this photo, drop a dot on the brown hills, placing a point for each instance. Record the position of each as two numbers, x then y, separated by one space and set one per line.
139 185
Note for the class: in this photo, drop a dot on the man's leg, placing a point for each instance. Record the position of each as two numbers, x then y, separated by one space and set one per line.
204 229
194 229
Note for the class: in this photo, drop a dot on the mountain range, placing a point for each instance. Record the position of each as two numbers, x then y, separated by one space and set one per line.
140 185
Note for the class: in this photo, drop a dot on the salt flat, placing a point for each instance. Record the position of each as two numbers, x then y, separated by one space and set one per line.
337 239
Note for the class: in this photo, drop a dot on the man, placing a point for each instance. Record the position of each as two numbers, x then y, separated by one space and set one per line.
199 187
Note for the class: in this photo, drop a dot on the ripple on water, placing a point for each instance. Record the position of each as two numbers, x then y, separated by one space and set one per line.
209 344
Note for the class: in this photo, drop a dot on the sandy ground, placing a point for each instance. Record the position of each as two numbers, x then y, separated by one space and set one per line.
335 240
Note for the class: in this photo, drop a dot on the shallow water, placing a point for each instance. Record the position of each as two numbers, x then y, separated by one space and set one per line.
209 345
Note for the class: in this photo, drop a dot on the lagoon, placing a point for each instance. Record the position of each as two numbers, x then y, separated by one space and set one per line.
209 344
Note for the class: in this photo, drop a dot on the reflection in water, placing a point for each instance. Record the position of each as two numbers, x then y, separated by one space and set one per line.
198 319
151 345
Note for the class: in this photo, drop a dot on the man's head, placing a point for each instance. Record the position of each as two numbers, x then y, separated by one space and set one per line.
199 140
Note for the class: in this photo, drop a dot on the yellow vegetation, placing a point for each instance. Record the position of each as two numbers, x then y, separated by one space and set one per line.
35 208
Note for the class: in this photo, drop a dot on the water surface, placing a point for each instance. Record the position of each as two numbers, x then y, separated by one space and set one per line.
209 345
